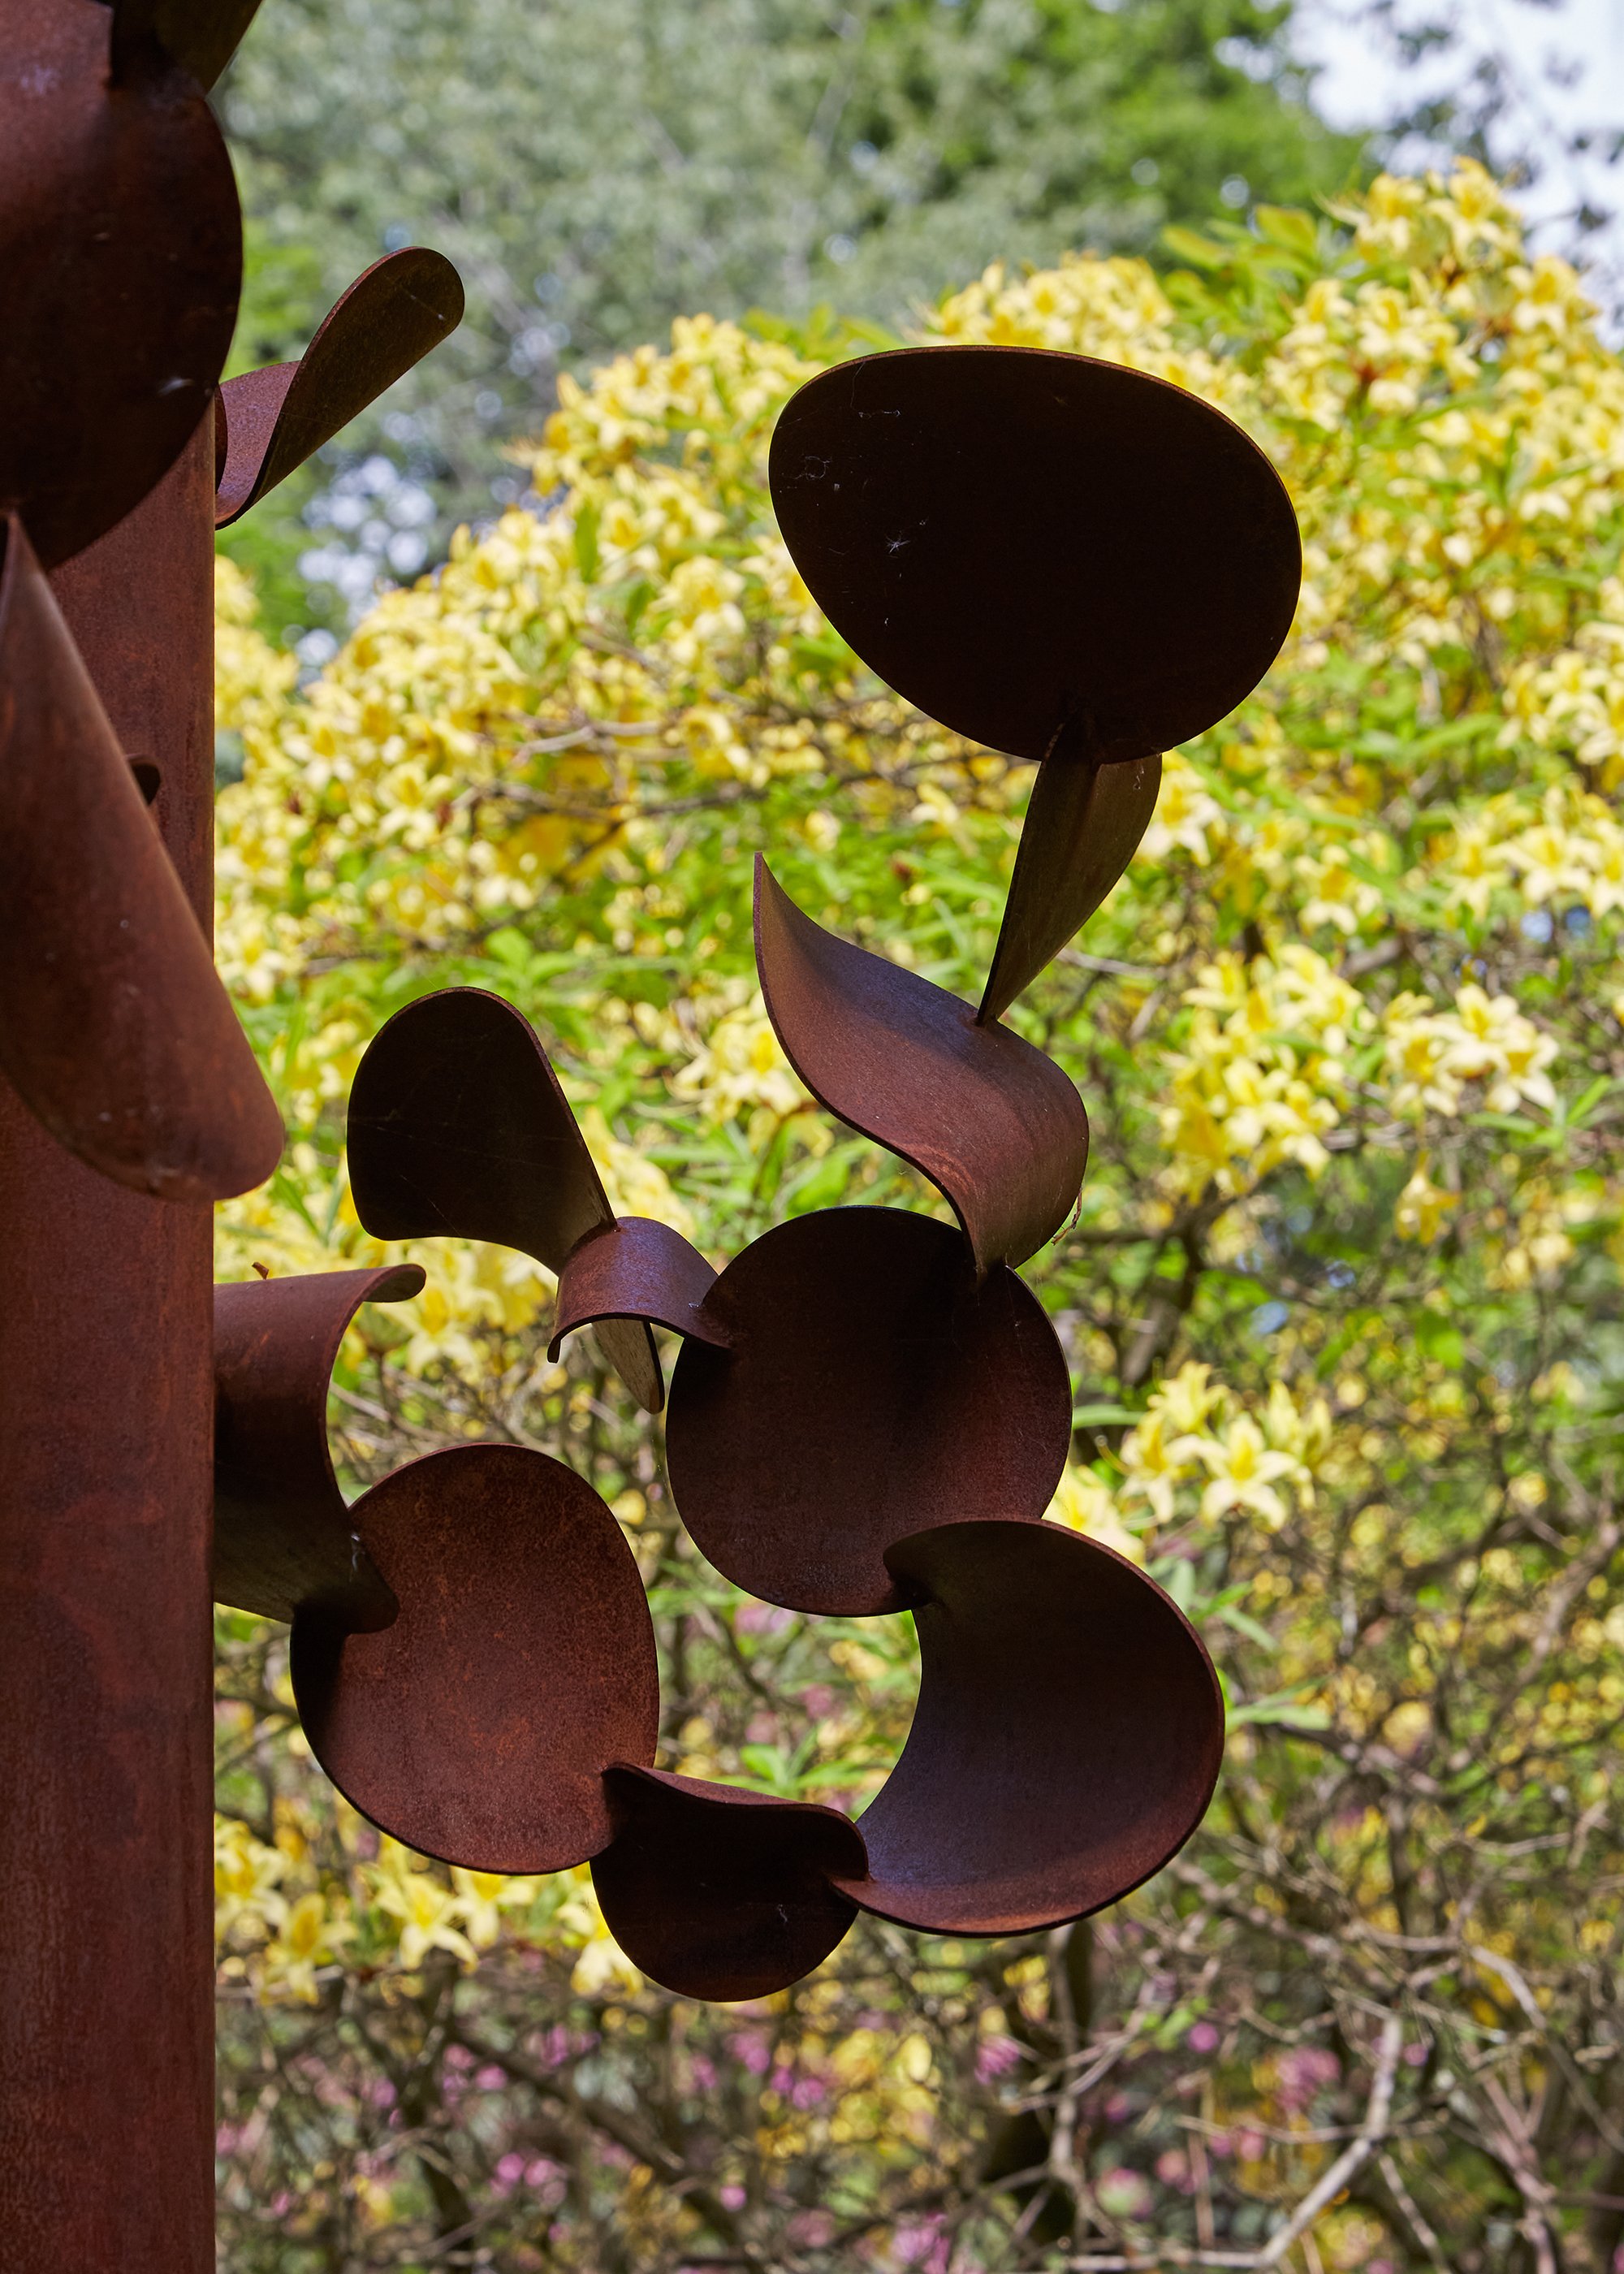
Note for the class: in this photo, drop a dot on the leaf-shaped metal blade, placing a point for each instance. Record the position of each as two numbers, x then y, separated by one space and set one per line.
457 1125
121 254
719 1893
476 1726
388 319
114 1027
1083 826
1017 540
282 1534
872 1385
992 1121
1065 1743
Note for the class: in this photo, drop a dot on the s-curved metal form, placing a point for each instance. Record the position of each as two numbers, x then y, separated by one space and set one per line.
870 1411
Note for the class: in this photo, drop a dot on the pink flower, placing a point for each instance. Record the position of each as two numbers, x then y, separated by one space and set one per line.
509 2170
996 2057
490 2079
1124 2193
1203 2038
1173 2170
750 2050
816 1700
732 2197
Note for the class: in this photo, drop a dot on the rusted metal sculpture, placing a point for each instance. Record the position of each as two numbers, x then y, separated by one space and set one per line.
870 1410
129 1097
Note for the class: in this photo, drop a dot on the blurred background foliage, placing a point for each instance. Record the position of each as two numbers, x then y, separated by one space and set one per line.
1340 1304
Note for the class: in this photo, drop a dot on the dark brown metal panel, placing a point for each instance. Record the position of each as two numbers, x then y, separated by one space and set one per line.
113 1024
457 1125
1083 826
106 1768
993 1122
121 249
283 1533
1066 1742
719 1893
200 35
477 1726
387 321
872 1388
635 1269
1017 540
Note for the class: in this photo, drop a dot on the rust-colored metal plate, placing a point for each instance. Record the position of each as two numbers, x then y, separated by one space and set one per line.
1019 540
719 1893
121 253
990 1120
1083 826
458 1125
635 1269
1066 1742
282 1533
476 1728
872 1388
200 35
387 321
114 1027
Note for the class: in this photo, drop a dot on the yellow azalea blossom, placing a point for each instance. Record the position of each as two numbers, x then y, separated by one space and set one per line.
1242 1472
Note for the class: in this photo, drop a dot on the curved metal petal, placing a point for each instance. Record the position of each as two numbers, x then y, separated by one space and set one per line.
457 1125
990 1120
121 249
477 1726
388 319
114 1027
635 1269
282 1532
200 35
873 1387
717 1893
1066 1742
1083 826
1018 540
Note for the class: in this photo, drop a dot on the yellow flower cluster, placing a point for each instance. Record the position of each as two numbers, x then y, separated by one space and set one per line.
1263 1076
635 647
1196 1430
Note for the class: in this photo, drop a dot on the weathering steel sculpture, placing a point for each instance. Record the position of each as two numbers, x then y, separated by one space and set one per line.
1073 563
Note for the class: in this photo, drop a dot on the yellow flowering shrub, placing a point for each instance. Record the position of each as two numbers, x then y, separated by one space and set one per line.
1341 1299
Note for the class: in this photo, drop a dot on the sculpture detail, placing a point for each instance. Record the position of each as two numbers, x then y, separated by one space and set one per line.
1072 562
870 1412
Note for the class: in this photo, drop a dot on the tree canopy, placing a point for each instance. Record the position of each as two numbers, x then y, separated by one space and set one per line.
1340 1305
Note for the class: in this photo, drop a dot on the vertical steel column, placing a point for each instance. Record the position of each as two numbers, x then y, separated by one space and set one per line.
106 1961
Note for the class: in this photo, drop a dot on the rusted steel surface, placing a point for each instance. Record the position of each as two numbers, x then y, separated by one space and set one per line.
476 1726
458 1123
1083 825
990 1120
1066 1741
121 249
723 1893
1135 569
635 1269
107 2001
282 1533
200 35
1015 540
128 1099
872 1387
113 1025
387 321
